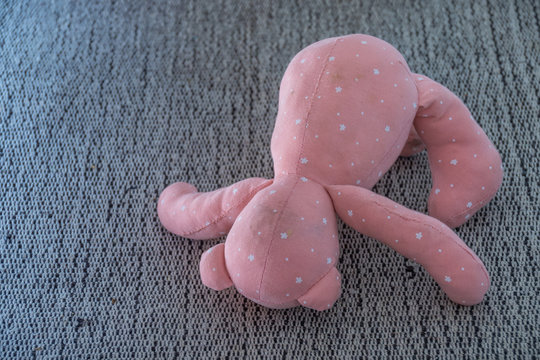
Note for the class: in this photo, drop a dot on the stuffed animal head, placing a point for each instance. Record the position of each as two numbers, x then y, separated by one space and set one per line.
348 107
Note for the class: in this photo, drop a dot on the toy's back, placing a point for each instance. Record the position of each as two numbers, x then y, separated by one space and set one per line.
346 107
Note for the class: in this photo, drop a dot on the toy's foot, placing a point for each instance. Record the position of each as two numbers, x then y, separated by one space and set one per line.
465 165
324 293
453 265
213 271
414 144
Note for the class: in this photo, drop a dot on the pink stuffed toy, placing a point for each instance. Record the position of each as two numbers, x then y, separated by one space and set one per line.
348 107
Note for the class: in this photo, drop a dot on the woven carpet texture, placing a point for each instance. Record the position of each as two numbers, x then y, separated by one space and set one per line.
103 104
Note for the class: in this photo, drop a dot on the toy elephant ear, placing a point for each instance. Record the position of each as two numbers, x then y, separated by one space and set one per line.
214 273
465 166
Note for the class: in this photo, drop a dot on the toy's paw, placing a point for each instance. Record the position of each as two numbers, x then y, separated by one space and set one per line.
414 144
214 273
324 293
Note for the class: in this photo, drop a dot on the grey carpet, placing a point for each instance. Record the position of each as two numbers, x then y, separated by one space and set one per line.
103 104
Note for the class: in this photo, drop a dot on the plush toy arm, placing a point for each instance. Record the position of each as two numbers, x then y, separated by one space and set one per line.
466 167
454 266
194 215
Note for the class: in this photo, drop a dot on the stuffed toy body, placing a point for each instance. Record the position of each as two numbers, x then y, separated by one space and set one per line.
348 107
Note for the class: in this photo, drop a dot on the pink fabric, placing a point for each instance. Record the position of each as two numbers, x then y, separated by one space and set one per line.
348 107
466 167
419 237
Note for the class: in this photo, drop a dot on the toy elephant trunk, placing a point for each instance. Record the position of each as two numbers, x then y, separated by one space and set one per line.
348 107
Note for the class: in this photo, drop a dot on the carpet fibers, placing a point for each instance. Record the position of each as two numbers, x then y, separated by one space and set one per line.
104 103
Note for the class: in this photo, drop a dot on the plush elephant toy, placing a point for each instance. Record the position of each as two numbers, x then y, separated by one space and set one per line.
348 107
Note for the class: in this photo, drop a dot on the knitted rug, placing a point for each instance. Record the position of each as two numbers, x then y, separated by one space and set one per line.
104 103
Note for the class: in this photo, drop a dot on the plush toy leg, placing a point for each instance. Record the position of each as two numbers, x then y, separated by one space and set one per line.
214 273
424 239
188 213
414 144
324 293
465 166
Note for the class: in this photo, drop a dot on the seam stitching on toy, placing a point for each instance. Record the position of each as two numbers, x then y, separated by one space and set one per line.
311 103
248 198
273 236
